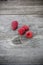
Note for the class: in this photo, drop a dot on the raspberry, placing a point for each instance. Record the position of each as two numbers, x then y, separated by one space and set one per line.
25 27
21 31
29 34
14 25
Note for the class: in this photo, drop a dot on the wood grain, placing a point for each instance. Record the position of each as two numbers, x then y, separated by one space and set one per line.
16 50
22 7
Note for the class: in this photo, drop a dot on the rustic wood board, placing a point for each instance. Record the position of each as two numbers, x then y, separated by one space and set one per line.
30 51
27 51
26 7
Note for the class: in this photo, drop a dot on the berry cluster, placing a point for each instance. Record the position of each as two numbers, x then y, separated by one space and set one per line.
23 30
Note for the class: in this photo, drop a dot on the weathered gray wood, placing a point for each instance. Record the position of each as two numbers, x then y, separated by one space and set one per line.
22 10
15 50
23 2
22 7
30 51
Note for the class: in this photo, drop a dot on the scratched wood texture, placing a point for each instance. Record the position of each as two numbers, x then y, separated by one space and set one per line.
21 7
15 50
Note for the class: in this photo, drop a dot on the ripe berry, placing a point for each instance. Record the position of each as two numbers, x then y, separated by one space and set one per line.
29 34
21 31
25 27
14 25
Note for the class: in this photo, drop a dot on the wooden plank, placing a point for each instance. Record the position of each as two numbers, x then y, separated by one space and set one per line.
22 10
23 2
21 7
28 51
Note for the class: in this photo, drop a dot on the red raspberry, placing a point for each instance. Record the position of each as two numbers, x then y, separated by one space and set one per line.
21 31
29 34
14 25
25 27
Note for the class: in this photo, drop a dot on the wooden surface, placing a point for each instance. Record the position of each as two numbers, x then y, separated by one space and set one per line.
21 7
27 51
12 51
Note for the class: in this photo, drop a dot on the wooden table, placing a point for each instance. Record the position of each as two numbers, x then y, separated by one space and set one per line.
26 51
